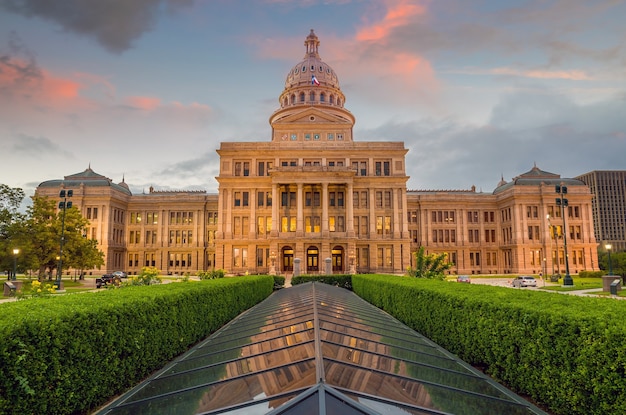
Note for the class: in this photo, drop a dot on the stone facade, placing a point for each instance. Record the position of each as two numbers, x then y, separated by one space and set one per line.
314 200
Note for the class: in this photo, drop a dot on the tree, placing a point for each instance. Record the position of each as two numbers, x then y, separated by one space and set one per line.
84 254
10 201
429 266
45 227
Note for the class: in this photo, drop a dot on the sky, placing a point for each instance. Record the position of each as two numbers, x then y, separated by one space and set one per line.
144 91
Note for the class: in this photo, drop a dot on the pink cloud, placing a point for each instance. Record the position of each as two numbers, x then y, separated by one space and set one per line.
22 81
144 103
399 13
574 75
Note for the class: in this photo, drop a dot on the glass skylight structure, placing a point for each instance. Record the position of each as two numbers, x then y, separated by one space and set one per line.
318 349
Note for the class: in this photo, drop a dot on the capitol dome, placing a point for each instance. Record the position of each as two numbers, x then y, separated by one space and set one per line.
312 81
311 67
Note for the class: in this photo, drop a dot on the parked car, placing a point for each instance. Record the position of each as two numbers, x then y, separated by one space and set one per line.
107 279
120 274
524 281
463 278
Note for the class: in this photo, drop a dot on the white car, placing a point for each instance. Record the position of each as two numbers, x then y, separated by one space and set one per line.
524 281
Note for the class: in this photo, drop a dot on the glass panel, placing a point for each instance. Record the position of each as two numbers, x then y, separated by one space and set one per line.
416 393
309 406
266 350
211 397
415 354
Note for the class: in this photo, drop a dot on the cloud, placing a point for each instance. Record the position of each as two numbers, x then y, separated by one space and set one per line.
144 103
38 147
115 24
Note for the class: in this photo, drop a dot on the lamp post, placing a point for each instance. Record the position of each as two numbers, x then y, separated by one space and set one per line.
608 249
562 202
553 236
64 205
16 252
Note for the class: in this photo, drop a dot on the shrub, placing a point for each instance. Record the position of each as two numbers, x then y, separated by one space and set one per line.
212 274
566 352
591 274
70 354
279 282
343 281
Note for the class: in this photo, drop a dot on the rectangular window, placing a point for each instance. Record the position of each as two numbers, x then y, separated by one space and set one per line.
378 170
237 198
331 198
340 199
261 168
246 168
387 199
260 198
245 198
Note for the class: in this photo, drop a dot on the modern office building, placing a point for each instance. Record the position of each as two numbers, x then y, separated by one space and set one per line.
314 199
608 206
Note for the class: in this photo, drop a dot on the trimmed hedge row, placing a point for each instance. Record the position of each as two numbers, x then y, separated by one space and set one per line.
343 281
565 352
69 354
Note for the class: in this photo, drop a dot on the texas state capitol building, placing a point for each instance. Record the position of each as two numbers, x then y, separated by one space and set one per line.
313 199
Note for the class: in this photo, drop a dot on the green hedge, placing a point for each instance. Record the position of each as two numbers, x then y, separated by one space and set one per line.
343 281
565 352
72 353
591 274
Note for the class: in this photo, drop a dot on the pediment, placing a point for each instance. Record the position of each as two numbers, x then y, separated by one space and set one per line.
311 116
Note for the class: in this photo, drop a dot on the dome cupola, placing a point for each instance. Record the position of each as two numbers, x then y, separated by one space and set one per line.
311 68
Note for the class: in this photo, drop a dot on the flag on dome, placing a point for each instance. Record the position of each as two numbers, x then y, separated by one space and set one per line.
314 80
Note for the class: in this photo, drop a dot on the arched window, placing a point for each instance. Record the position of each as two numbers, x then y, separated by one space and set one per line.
302 96
285 102
312 96
339 102
293 99
322 97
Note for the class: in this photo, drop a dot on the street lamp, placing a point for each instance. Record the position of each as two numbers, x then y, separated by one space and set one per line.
562 202
15 254
64 205
608 249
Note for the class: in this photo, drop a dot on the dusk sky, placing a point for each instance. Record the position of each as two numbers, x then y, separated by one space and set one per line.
145 90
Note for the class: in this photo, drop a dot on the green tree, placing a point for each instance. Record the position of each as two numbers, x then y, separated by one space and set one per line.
429 266
10 217
84 254
45 226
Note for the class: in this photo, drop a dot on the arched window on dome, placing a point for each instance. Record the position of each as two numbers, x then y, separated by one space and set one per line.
332 99
285 102
338 102
322 97
302 96
312 96
292 99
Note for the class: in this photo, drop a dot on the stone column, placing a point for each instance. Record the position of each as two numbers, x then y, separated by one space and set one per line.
350 209
300 212
324 209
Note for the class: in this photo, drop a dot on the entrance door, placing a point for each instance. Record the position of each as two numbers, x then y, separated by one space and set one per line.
287 259
312 259
337 254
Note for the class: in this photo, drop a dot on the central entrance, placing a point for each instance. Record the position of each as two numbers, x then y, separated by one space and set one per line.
287 259
312 259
